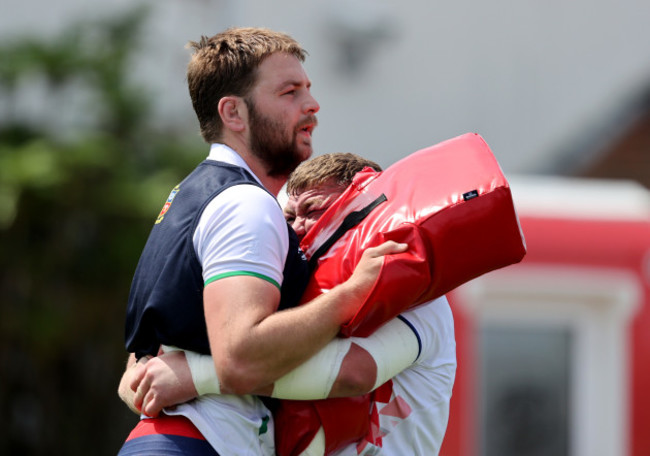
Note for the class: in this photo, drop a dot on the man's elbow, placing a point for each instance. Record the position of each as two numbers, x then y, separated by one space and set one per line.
238 378
357 374
354 383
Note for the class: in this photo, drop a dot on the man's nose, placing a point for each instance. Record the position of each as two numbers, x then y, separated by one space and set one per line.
299 227
311 106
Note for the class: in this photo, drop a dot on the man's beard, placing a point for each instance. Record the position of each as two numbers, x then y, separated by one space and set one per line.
269 143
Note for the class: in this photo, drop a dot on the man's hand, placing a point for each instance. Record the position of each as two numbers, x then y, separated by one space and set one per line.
124 390
367 270
161 382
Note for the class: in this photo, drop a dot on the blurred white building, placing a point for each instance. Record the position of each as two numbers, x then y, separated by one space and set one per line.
533 78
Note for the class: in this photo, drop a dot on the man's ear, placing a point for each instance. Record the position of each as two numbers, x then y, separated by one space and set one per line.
233 113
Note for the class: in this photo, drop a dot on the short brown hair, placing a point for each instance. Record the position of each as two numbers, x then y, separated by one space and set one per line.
340 167
226 65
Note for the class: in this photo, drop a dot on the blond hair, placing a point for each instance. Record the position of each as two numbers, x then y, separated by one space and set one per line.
339 167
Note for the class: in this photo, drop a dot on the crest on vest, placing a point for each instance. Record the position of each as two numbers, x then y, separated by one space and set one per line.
167 204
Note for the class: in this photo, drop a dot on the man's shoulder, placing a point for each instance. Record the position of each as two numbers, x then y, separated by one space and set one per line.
250 197
228 184
223 173
245 208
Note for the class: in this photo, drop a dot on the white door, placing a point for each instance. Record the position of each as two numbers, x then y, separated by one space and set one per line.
553 346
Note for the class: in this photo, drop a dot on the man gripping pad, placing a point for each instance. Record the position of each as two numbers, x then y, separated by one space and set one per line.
450 203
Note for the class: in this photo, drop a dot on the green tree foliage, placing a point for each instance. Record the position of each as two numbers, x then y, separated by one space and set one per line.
80 186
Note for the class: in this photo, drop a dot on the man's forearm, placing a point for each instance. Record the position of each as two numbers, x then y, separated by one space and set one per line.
253 357
344 367
253 345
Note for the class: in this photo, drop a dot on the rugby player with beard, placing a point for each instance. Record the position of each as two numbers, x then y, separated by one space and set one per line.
221 272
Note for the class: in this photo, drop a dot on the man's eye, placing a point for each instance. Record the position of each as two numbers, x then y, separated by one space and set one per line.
315 213
290 219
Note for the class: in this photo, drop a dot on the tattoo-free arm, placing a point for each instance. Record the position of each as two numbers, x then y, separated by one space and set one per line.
253 345
342 368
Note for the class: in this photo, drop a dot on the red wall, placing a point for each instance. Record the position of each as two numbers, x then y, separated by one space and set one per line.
594 243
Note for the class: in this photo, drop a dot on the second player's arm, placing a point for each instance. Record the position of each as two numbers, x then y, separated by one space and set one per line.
344 367
253 345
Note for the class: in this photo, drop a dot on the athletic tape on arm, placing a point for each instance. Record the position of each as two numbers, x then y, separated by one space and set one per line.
204 374
314 378
394 347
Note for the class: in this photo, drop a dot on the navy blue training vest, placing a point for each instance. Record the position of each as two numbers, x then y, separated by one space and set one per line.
166 299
